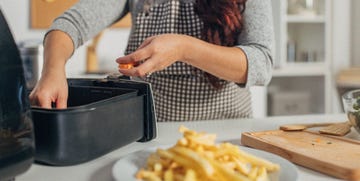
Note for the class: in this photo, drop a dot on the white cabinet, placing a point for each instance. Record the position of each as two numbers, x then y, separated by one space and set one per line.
302 78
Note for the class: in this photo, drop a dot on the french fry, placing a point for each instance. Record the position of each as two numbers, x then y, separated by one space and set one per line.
253 173
197 160
148 176
126 65
180 160
229 174
262 175
196 157
242 166
190 175
168 175
258 161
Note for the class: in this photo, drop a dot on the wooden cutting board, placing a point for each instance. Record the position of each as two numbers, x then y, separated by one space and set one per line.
335 156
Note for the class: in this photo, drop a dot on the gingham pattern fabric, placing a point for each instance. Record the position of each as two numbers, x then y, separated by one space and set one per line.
182 92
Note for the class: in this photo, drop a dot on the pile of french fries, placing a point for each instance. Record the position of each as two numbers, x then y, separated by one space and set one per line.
196 157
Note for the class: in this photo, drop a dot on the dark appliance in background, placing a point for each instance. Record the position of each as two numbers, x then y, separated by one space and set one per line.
16 130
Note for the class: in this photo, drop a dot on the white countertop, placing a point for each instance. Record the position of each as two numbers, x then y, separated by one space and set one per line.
226 130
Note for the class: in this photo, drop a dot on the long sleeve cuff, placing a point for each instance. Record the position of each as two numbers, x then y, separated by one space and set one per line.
259 68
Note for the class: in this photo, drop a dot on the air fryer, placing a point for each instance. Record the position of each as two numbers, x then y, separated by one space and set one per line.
16 133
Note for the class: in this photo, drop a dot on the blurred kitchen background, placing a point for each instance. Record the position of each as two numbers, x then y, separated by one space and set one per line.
316 51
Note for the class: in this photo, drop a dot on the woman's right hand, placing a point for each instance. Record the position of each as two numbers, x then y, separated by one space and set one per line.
51 89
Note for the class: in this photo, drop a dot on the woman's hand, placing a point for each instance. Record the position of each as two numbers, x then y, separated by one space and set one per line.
51 88
157 52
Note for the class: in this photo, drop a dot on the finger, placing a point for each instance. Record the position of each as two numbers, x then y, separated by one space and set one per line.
127 72
140 71
134 57
136 72
32 99
44 102
61 102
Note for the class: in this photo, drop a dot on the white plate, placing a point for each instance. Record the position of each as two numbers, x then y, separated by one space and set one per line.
126 167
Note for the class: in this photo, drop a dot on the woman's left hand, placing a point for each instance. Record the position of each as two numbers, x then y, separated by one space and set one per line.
156 52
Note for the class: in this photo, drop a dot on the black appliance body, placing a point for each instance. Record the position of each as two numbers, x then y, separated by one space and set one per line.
16 130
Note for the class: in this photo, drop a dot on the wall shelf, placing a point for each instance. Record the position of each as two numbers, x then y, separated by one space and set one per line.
302 74
305 19
301 70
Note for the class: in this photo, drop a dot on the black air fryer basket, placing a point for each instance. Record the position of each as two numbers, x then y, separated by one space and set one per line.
102 115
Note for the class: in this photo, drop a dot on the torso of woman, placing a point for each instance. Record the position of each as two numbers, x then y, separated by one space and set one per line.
183 92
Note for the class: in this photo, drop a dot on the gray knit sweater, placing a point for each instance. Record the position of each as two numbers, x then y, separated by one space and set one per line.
89 17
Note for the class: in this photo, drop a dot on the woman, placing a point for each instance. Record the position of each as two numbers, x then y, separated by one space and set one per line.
200 56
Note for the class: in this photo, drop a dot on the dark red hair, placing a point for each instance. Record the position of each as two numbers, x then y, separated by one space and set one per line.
223 23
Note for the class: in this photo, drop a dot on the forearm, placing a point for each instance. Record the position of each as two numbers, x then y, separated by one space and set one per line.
52 86
228 63
58 48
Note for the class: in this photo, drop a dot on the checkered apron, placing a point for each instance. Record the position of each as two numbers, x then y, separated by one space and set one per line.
182 92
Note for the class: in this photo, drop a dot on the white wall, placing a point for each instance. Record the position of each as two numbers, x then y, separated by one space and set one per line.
355 27
17 13
341 44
